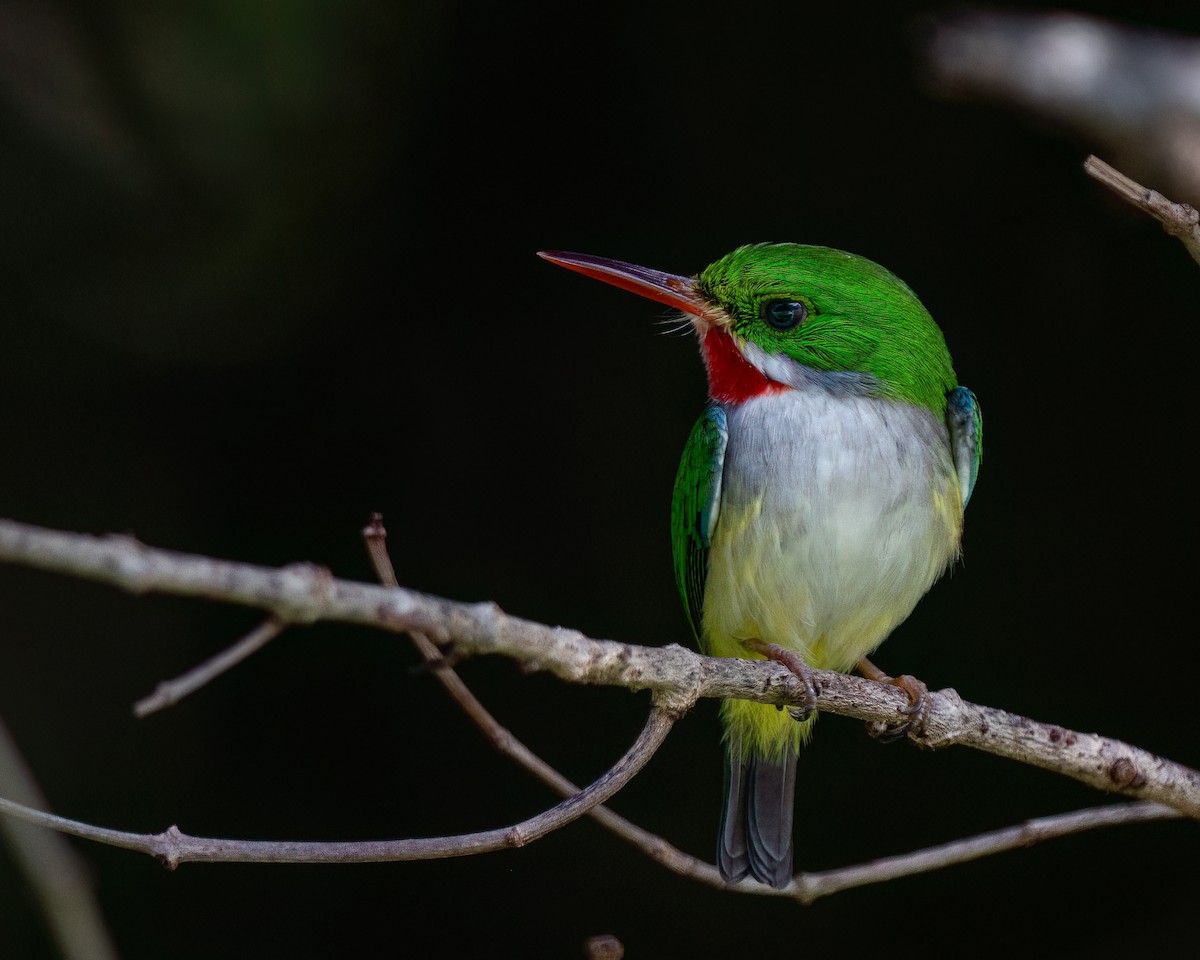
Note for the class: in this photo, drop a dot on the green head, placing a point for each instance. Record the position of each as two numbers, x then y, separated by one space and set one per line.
832 312
797 315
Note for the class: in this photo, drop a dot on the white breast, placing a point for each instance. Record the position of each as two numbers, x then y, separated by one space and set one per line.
837 515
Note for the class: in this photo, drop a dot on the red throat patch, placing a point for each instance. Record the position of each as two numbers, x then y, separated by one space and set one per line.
731 377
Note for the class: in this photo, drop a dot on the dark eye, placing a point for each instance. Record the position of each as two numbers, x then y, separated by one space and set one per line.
784 314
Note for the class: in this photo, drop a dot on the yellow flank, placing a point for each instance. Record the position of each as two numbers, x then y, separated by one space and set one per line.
828 579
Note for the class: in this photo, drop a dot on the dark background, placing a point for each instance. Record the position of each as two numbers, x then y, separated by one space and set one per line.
269 268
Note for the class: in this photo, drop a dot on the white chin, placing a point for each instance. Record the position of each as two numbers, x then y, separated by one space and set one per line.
774 366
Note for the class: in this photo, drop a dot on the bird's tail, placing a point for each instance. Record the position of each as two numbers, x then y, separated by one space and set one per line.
756 824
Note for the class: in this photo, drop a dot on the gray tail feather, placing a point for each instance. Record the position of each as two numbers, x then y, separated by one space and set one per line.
756 824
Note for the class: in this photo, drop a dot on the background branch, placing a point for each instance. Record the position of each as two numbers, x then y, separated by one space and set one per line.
1126 90
54 872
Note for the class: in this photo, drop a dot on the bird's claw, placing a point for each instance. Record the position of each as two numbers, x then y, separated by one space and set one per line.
916 713
807 686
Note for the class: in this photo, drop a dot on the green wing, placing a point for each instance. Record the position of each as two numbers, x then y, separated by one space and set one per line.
965 420
695 508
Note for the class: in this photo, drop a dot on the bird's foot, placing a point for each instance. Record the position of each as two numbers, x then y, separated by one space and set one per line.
916 713
810 686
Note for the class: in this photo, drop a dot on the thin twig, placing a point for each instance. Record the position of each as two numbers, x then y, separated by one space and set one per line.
375 538
170 692
304 593
1178 219
810 886
174 847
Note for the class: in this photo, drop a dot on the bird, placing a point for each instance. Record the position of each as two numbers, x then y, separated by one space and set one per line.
819 495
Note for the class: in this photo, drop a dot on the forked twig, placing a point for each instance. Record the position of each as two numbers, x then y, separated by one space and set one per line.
654 846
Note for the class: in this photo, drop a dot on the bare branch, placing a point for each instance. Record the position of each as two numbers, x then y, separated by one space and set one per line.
1178 219
375 538
805 887
174 847
808 887
676 676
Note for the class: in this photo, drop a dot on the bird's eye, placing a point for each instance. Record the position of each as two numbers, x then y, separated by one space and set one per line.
784 314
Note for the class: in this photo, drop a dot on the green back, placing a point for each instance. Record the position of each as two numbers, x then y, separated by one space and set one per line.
694 509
